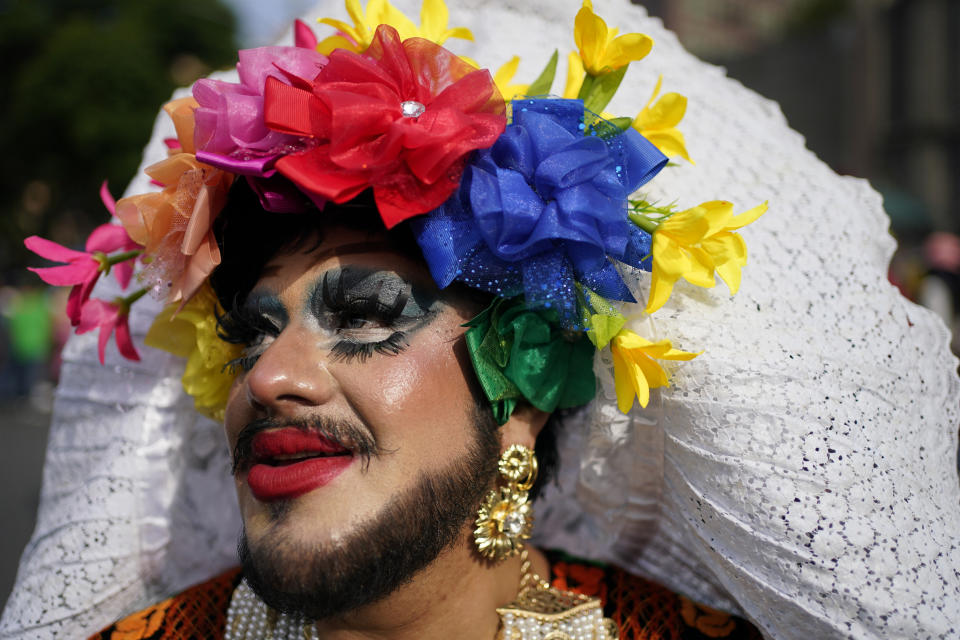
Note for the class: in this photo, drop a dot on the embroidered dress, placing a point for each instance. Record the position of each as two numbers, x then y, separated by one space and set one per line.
643 610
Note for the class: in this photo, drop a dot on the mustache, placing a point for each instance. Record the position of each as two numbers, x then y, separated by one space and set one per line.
345 434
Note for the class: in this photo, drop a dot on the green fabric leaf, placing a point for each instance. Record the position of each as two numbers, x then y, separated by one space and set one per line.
586 87
623 123
602 89
522 354
541 86
599 304
603 328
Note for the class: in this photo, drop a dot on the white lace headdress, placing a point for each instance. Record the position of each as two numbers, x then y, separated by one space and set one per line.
800 471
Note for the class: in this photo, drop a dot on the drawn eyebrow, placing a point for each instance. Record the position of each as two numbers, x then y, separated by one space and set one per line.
341 287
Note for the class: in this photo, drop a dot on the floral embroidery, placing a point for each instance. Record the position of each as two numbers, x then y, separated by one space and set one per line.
708 621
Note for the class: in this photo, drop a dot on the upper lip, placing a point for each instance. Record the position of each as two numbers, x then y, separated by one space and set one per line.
276 446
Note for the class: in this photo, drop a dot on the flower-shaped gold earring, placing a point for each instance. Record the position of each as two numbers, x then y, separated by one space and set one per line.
505 518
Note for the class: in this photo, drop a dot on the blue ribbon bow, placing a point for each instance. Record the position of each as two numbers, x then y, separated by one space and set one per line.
543 208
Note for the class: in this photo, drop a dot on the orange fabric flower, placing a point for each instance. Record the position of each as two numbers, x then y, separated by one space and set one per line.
175 225
143 624
706 620
581 579
181 112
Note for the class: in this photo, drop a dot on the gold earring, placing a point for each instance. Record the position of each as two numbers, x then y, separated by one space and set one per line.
505 518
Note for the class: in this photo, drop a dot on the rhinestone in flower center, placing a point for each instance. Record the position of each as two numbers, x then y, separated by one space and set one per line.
513 523
412 108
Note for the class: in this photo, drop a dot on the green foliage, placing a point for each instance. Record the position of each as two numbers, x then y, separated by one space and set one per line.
597 91
813 15
84 80
541 86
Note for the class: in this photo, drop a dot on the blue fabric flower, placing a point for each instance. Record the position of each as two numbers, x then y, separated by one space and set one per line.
543 208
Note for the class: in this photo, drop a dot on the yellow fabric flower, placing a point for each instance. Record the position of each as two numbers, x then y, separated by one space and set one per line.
601 49
504 75
658 122
434 17
635 371
575 73
191 333
692 244
434 21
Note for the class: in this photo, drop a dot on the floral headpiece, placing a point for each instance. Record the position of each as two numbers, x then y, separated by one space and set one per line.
534 200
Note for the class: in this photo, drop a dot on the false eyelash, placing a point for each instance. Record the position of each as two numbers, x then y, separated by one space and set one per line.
243 363
238 325
245 325
241 326
246 361
347 350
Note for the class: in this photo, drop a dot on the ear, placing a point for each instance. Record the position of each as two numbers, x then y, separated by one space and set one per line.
524 425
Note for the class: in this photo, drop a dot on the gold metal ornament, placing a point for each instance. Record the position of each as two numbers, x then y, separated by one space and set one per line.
505 518
543 612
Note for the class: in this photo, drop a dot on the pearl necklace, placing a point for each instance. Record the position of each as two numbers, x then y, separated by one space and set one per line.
249 618
540 612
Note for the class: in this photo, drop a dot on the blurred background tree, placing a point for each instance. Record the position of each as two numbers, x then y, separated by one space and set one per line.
82 81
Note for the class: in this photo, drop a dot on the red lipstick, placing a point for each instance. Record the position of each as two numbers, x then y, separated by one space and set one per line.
290 462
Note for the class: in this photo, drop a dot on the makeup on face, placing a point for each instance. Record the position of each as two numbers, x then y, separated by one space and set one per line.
371 311
289 462
356 312
353 311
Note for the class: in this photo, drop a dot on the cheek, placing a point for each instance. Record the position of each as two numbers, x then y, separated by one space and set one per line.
399 384
424 384
235 413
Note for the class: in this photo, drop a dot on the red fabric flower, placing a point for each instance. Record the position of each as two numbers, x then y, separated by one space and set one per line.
353 111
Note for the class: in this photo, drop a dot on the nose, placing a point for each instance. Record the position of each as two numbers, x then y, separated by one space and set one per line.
291 373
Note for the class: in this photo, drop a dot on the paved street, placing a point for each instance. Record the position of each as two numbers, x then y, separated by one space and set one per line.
23 438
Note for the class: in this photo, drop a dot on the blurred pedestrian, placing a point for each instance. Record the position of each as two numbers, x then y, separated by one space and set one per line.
939 289
30 327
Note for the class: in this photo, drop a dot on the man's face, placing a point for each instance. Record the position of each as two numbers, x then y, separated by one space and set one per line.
354 428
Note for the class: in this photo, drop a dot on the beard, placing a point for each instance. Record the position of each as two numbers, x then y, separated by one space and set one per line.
320 581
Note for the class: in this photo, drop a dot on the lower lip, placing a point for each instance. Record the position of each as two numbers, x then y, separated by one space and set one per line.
269 483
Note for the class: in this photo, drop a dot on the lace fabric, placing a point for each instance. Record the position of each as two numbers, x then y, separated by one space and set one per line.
801 471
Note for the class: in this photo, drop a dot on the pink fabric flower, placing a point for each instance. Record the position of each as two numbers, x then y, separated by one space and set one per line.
229 120
122 271
108 317
82 268
230 133
303 35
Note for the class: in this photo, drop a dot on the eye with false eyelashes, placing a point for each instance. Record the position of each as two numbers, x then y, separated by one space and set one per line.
352 315
347 350
246 326
358 312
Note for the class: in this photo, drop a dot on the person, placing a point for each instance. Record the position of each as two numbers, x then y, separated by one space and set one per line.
939 288
363 449
383 452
